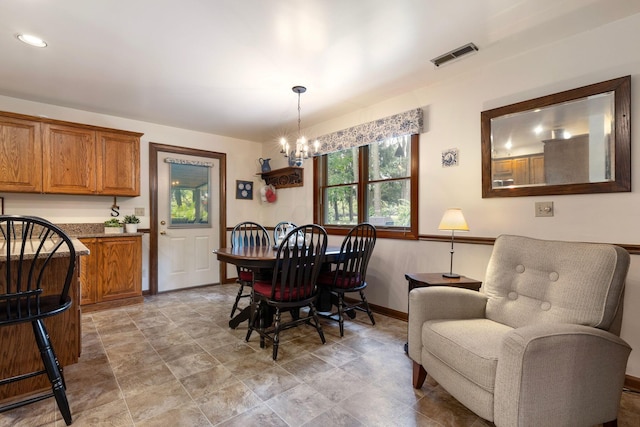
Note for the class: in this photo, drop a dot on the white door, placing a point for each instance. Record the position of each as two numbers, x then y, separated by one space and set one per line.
188 221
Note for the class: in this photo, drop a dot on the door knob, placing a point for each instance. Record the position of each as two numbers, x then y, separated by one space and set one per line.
163 233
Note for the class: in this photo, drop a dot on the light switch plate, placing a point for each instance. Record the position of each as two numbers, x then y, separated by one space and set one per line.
138 211
544 208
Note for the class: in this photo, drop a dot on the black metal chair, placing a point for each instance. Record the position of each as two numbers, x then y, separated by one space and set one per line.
349 273
30 243
293 286
247 234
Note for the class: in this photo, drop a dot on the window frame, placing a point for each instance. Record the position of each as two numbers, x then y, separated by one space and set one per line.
319 185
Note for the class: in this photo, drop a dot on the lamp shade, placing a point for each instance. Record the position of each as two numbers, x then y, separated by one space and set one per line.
453 220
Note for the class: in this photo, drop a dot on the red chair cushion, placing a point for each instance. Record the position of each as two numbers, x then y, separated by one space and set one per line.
246 276
326 279
264 288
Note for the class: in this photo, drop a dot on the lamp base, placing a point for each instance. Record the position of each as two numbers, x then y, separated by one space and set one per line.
451 275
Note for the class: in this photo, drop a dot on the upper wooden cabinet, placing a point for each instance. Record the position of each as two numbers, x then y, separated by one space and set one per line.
51 156
118 164
20 155
69 160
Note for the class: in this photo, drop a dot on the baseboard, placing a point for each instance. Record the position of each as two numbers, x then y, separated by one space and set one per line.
382 310
632 383
88 308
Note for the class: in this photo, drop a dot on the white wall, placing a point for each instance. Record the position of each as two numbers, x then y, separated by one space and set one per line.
452 119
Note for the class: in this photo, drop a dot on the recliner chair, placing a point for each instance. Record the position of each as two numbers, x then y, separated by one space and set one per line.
538 345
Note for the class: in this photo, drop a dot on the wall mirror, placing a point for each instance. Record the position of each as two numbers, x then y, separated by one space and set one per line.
572 142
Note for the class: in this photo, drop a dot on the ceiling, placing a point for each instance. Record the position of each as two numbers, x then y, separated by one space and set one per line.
227 66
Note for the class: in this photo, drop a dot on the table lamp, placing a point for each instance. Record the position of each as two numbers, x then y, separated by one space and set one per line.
453 220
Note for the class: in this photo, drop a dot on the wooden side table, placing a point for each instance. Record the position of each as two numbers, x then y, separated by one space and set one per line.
422 280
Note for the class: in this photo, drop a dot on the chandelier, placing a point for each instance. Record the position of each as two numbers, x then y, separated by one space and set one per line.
300 152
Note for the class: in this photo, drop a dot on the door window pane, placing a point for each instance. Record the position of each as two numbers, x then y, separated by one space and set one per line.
189 195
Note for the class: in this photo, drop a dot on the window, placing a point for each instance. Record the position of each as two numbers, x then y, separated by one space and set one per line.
377 183
189 196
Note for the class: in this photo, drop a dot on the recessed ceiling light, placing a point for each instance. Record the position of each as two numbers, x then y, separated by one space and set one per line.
31 40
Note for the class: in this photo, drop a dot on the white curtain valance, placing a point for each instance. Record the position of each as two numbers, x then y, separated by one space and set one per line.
188 162
407 123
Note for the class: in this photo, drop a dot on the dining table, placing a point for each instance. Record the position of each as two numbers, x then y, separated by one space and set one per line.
259 258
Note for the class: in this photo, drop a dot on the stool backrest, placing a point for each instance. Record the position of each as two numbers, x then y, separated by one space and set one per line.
30 249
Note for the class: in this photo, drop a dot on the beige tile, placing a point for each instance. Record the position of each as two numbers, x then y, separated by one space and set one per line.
259 416
228 402
86 394
112 414
299 404
334 417
192 364
142 380
189 415
208 381
157 400
271 382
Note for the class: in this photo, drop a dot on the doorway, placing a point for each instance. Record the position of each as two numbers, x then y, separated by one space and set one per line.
187 191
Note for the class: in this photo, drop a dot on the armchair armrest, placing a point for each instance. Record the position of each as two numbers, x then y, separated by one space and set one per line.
559 373
440 302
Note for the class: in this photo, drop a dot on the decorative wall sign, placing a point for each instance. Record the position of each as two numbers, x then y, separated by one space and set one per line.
450 157
244 190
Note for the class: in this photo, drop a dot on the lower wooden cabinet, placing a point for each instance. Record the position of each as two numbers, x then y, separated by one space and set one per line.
112 274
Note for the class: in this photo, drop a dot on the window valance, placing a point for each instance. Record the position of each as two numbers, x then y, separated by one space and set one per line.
407 123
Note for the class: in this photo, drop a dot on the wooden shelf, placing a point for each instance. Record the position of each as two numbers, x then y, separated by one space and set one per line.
284 178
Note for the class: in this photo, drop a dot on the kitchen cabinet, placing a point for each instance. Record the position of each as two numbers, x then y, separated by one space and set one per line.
52 156
112 274
69 160
118 162
522 170
20 155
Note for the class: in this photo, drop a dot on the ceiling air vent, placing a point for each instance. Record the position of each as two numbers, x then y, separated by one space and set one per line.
454 54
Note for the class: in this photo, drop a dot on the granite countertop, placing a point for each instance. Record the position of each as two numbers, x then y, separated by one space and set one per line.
88 230
32 245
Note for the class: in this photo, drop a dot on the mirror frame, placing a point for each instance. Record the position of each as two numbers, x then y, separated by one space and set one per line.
621 87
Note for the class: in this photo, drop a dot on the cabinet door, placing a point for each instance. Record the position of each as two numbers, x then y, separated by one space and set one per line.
120 267
20 156
521 171
88 273
69 159
118 163
536 170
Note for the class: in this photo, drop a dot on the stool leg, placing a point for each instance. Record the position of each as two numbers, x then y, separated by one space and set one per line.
51 366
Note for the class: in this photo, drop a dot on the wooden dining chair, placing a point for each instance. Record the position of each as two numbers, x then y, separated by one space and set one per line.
31 244
247 234
280 229
292 287
349 273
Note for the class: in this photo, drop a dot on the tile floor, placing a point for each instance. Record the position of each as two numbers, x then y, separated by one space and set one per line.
173 361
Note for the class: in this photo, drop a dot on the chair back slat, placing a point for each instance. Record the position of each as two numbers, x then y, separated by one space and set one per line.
29 246
355 254
249 233
299 259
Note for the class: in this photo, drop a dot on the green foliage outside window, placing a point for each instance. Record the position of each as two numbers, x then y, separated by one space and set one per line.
387 172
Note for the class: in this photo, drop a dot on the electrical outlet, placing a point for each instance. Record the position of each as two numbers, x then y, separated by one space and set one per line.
544 208
138 211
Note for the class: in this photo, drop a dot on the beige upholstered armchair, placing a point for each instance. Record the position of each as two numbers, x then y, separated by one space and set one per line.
538 345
